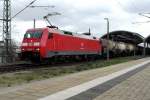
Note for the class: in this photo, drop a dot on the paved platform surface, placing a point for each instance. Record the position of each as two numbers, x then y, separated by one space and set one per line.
136 87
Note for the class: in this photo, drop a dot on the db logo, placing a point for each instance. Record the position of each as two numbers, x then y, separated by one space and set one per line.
82 44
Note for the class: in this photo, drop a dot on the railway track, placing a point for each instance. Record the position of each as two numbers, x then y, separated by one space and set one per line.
26 66
16 67
29 66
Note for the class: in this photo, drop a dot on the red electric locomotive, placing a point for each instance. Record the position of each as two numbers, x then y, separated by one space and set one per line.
51 42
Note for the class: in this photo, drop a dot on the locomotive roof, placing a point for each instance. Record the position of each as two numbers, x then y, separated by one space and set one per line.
72 34
125 36
56 30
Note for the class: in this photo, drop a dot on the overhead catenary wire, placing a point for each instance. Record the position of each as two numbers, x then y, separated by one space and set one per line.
133 5
144 15
42 6
140 22
23 9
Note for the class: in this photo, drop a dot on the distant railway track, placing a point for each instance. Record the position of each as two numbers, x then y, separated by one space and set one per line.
16 67
26 66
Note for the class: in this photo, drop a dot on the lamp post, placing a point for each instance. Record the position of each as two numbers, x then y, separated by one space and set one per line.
107 37
144 49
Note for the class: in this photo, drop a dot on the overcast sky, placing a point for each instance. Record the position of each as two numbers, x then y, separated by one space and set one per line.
80 15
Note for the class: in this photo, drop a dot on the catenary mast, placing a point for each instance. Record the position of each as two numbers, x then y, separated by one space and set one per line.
7 30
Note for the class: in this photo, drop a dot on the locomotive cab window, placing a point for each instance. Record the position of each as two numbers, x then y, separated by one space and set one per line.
35 34
27 35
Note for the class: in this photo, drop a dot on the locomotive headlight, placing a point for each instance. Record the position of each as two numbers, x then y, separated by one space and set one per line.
24 44
36 44
37 49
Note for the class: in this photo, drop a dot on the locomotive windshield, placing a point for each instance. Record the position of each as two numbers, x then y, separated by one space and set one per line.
35 34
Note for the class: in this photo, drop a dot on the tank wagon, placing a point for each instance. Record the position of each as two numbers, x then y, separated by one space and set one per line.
117 48
44 43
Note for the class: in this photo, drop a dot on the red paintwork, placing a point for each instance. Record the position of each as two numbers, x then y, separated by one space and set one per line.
61 43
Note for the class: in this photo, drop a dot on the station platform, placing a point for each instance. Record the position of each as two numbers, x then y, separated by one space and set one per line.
125 81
